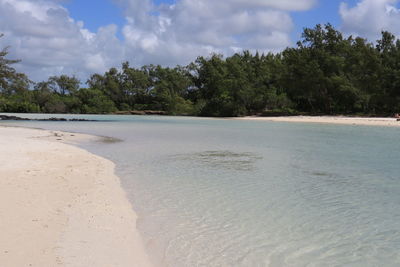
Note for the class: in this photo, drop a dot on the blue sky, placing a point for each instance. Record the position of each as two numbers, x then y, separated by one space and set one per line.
325 11
105 12
82 37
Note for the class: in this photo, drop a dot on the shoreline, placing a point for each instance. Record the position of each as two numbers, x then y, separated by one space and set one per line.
61 205
343 120
324 119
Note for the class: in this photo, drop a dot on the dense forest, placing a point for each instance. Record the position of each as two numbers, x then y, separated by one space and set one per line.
326 73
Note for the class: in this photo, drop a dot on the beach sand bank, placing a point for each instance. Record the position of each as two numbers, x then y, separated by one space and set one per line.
391 122
61 205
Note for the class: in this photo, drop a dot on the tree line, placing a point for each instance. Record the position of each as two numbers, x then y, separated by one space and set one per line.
326 73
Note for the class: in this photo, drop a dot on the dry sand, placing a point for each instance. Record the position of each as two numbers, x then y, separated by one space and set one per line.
330 119
61 205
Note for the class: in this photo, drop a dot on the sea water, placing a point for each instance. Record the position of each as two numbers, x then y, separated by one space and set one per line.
218 192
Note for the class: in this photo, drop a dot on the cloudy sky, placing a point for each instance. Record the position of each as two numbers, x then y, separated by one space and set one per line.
80 37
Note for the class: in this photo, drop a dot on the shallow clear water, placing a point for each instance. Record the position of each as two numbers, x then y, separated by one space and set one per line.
213 192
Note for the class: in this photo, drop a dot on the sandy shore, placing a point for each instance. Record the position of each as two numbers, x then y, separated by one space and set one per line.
61 205
330 119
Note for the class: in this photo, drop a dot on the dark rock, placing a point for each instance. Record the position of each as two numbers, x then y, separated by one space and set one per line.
154 112
80 120
141 112
54 119
12 118
137 112
15 118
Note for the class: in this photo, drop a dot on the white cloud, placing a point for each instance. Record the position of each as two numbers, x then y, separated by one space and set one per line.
49 41
369 17
176 34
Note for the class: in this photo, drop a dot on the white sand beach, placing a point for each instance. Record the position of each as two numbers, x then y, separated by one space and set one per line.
61 205
330 119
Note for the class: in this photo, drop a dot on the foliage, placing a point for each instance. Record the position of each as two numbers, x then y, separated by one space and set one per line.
326 73
93 101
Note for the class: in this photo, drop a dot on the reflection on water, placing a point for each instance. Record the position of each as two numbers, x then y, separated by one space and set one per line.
222 159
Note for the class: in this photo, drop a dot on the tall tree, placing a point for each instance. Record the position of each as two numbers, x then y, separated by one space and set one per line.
64 84
10 80
136 85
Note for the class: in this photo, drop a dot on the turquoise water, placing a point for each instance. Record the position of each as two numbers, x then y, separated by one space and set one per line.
213 192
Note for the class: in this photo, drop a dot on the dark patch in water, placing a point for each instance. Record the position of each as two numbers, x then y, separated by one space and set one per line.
108 140
321 174
222 159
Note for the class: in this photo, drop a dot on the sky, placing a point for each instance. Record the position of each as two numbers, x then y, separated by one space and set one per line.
82 37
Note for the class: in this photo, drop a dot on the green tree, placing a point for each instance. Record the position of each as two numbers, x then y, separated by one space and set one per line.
314 76
386 97
10 80
94 101
64 84
111 85
170 88
136 85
